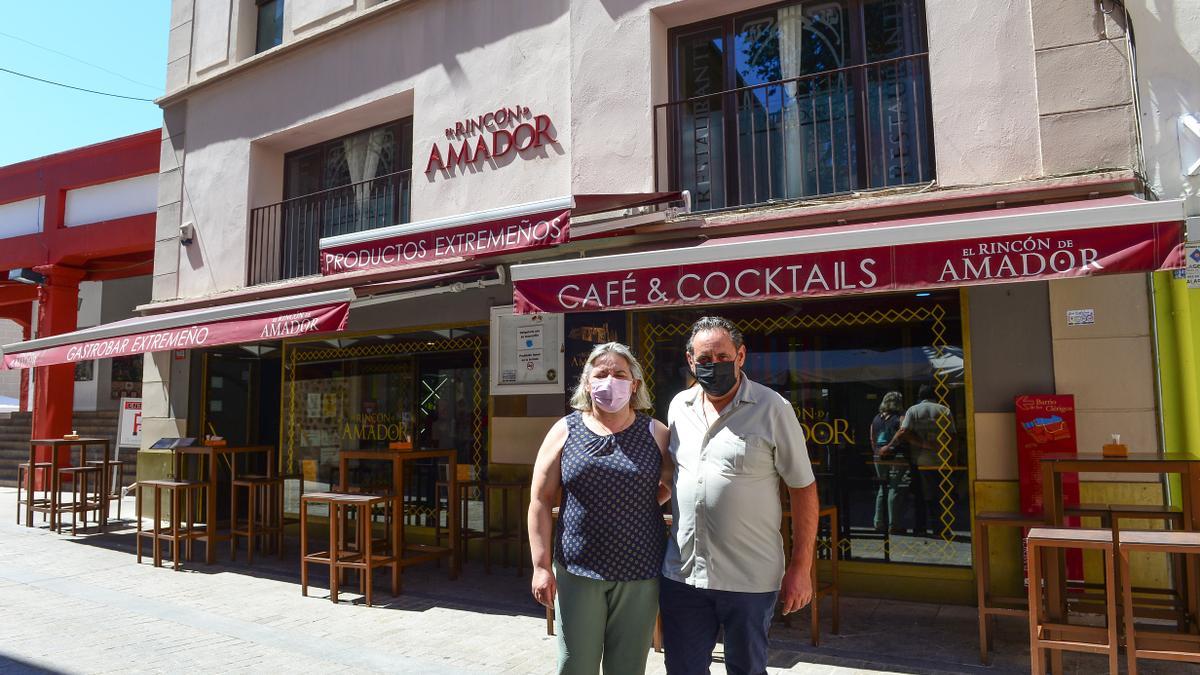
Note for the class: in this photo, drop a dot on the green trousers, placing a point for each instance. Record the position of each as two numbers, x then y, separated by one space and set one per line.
609 622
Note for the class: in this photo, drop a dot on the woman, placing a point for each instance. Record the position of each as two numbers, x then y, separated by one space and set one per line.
890 472
610 463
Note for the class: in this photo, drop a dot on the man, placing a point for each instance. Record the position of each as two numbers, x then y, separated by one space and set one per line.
920 428
732 441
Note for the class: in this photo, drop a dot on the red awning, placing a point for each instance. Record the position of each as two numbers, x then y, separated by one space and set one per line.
1074 239
209 327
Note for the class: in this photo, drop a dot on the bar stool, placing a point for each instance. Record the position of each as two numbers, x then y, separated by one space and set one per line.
85 495
264 513
42 503
506 534
990 606
828 588
1044 635
360 555
1183 646
116 468
465 533
185 496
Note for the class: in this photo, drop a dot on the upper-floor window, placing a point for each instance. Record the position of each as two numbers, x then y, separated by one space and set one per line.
798 99
270 25
357 182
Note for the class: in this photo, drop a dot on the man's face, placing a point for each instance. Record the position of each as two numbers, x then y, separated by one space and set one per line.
715 346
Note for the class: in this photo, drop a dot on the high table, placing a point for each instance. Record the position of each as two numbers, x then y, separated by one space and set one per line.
54 444
1054 465
211 452
411 555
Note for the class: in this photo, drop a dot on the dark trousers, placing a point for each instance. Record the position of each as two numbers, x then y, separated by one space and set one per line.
692 618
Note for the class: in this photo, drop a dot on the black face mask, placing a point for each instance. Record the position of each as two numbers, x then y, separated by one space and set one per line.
716 378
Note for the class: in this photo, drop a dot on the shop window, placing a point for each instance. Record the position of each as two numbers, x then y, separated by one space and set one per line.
357 182
270 25
836 361
427 388
798 100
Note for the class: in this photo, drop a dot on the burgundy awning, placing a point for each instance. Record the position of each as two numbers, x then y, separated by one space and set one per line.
1074 239
209 327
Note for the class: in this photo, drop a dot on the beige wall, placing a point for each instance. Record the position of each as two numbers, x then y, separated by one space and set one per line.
1108 366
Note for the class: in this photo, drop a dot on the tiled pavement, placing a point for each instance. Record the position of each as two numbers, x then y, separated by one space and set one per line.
83 605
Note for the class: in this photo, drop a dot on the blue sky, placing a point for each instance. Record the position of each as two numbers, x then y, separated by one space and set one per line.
127 37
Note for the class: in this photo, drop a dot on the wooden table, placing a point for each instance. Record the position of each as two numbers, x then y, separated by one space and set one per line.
210 535
54 444
1054 465
417 553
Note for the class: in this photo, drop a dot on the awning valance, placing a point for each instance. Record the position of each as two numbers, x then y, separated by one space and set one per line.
209 327
1072 239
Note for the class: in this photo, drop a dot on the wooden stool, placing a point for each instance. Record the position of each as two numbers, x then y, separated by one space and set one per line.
264 517
42 503
1044 635
829 588
506 534
465 533
115 468
990 606
185 496
340 555
85 495
1181 646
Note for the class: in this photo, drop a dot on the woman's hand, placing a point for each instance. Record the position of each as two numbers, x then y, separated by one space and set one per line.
544 586
664 493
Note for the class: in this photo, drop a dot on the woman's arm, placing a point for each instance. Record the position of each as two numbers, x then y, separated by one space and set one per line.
547 480
662 436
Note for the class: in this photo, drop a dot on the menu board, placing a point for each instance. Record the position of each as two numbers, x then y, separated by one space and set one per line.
1046 425
526 353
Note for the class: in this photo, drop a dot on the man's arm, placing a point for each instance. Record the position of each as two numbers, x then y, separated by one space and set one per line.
797 588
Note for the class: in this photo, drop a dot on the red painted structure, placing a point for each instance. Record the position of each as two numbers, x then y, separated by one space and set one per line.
112 249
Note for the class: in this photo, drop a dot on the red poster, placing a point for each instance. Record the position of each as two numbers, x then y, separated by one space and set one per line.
1046 425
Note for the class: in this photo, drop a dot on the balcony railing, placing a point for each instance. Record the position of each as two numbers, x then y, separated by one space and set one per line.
285 237
853 128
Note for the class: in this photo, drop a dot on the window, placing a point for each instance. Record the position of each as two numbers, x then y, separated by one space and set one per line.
270 25
799 99
851 368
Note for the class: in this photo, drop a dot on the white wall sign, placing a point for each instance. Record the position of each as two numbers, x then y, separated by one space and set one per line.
129 434
1081 317
1191 257
526 353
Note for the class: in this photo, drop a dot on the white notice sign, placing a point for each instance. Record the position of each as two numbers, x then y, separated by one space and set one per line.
1191 272
1081 317
529 337
531 361
129 432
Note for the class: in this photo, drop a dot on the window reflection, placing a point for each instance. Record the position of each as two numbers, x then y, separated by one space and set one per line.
835 361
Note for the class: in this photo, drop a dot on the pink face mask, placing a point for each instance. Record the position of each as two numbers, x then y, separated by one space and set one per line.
611 394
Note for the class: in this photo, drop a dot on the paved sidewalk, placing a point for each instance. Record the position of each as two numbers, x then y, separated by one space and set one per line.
82 604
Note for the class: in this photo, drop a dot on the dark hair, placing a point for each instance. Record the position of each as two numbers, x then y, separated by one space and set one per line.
925 392
708 323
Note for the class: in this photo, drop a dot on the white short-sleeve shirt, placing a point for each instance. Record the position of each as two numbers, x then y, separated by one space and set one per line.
725 501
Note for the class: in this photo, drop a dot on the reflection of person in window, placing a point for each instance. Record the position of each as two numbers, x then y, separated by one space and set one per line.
888 466
920 429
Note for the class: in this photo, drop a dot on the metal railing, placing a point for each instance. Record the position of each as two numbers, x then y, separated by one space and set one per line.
285 237
853 128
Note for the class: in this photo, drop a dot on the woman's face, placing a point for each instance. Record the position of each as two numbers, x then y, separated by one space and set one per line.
610 364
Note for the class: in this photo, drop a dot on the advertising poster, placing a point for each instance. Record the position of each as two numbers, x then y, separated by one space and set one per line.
1046 425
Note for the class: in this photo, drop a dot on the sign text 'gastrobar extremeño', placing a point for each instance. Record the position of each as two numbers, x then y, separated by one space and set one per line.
993 259
273 326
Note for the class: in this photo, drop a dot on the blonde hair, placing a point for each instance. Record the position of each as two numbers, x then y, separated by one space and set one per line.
582 400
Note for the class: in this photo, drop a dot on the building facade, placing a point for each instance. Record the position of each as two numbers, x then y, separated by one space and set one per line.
880 192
